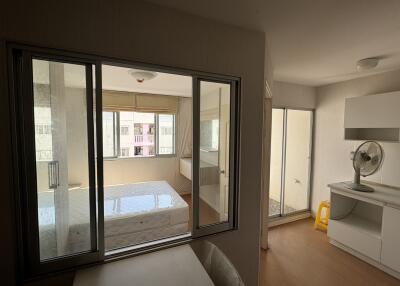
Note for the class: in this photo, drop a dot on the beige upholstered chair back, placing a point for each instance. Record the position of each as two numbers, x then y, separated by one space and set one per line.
219 268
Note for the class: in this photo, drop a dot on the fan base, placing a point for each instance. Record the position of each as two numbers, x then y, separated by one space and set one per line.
359 187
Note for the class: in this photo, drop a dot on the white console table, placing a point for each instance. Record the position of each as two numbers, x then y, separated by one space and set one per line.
367 225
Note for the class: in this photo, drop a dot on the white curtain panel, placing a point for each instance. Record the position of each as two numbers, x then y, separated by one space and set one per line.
183 142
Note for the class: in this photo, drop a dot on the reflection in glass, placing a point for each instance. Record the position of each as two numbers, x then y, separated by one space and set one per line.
61 145
297 171
109 136
214 152
276 162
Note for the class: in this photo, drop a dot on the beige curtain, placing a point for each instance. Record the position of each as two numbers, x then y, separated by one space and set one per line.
183 142
139 102
184 118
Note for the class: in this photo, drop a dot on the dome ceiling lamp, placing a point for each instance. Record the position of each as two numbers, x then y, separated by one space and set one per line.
141 75
367 63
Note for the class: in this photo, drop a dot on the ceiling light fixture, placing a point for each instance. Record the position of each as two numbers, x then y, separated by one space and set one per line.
141 75
367 64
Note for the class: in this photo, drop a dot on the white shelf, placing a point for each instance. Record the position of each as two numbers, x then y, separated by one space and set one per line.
357 233
381 196
373 111
371 229
363 225
378 134
373 117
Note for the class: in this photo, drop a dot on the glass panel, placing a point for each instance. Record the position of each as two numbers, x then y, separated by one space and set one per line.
137 134
62 167
298 156
214 152
275 181
148 198
166 134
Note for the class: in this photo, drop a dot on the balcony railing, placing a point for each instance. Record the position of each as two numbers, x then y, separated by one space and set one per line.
144 138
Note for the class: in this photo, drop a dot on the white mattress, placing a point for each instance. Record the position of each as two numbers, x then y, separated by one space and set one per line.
133 214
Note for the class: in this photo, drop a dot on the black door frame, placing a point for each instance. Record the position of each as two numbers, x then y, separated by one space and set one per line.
21 87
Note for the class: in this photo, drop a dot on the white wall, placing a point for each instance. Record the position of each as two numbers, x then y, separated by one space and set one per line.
135 170
331 152
293 95
267 115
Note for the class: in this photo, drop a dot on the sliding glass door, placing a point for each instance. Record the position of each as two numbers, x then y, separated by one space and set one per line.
275 183
214 155
214 149
291 141
297 161
62 118
55 107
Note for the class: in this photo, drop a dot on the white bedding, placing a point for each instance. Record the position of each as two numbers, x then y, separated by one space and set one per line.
133 214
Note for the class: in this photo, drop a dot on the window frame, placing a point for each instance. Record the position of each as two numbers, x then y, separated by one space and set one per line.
117 137
23 161
26 270
234 164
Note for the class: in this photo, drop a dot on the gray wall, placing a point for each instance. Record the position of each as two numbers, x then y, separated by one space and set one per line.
292 95
331 152
143 32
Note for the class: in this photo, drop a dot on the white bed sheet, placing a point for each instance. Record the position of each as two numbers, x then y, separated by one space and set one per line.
133 214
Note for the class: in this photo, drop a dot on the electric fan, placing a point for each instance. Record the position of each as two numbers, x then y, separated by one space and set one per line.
367 159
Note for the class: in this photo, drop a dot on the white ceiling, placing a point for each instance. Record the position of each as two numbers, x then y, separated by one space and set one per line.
313 42
118 78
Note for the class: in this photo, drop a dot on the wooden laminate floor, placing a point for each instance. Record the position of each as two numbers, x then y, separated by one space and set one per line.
207 214
302 256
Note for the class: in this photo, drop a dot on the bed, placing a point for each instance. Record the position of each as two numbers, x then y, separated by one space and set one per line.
133 214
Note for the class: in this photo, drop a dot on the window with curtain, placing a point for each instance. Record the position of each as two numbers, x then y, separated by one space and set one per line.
143 126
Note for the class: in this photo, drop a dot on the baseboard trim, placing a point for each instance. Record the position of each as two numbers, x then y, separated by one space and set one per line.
366 259
287 219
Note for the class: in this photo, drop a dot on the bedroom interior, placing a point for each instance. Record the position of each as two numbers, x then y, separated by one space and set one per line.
147 151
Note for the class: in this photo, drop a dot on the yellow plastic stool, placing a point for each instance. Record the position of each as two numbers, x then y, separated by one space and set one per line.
321 223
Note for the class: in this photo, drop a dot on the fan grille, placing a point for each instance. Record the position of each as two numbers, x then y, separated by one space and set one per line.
368 158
